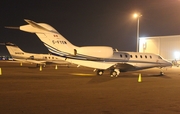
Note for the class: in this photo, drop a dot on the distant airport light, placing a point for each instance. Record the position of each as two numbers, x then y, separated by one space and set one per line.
142 44
177 55
135 15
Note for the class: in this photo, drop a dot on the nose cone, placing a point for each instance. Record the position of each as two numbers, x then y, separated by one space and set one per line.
167 64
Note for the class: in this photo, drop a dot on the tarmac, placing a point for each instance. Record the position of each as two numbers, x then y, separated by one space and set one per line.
71 90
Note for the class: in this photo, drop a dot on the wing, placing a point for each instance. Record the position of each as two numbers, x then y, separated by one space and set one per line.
92 64
30 61
124 67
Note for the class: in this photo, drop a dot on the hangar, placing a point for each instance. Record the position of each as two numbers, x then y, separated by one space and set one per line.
166 46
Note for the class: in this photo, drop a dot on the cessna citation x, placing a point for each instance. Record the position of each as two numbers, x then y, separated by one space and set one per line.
39 59
99 58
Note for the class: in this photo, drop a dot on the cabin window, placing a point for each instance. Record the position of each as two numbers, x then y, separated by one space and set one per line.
49 57
126 56
145 56
150 56
120 55
45 57
52 57
136 56
131 56
141 56
65 42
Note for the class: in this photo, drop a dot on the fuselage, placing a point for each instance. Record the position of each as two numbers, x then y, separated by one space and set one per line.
38 57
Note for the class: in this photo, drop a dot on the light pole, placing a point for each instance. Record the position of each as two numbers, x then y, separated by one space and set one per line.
137 16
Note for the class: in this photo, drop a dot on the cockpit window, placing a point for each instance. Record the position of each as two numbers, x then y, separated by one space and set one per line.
159 57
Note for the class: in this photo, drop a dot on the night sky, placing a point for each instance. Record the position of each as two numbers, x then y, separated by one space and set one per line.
89 22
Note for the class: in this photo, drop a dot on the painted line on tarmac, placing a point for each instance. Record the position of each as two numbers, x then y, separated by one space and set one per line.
82 74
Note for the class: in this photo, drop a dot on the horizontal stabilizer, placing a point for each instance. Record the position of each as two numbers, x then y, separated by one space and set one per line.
34 27
34 24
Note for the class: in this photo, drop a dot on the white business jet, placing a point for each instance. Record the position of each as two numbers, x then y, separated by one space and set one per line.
40 59
99 58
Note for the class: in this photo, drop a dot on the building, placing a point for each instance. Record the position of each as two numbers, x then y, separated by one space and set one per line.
166 46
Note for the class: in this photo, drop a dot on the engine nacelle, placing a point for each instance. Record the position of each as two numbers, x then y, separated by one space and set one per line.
96 51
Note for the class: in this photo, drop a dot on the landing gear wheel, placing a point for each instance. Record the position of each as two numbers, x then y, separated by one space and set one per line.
161 73
113 74
100 72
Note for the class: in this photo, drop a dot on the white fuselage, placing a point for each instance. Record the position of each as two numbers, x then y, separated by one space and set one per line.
38 57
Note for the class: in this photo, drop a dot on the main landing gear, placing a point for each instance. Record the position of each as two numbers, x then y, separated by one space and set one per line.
113 73
100 72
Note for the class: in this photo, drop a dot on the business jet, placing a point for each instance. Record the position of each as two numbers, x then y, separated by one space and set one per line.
99 58
40 59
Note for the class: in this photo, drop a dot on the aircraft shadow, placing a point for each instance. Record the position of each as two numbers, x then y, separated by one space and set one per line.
101 79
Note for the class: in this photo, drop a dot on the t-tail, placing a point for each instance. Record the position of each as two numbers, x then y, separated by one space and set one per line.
50 37
59 45
14 50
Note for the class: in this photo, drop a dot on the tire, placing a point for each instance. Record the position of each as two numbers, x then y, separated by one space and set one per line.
100 72
113 74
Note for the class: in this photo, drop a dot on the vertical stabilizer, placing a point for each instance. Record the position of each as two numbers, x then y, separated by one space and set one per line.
14 50
54 41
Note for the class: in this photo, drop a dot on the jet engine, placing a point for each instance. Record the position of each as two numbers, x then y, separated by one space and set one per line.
96 51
